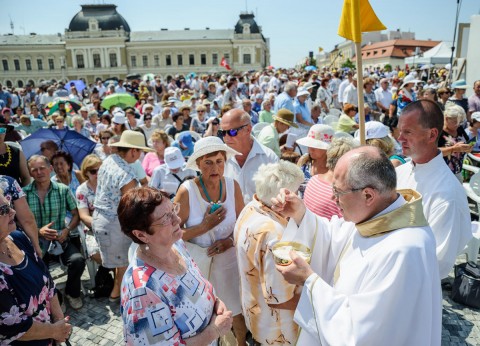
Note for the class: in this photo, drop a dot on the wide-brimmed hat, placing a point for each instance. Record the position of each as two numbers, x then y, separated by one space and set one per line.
302 92
375 129
205 102
206 146
173 158
460 84
308 85
319 136
285 116
132 139
409 79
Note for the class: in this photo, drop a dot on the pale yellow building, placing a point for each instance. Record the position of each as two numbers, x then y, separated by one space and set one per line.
98 43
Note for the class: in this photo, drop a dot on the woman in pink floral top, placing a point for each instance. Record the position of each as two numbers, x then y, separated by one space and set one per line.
30 313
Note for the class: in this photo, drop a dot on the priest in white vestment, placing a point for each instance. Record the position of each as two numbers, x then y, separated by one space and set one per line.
373 278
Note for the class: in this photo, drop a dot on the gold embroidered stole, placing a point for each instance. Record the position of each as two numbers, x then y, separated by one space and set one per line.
408 215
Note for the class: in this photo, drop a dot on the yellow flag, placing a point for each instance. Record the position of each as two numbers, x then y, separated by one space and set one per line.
357 17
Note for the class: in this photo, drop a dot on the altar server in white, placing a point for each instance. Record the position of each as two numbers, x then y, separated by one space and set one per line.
444 200
374 275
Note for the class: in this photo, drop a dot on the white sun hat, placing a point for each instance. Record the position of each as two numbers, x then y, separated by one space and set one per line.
319 136
206 146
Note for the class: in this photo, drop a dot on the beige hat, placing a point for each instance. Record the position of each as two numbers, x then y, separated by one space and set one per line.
132 139
206 146
285 116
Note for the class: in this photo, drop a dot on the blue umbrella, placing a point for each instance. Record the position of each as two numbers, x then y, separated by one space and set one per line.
311 68
70 141
79 84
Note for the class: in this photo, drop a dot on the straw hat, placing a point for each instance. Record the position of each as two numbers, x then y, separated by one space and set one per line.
132 139
285 116
319 136
206 146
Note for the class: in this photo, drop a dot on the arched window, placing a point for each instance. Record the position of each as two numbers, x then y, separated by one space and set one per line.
20 83
9 83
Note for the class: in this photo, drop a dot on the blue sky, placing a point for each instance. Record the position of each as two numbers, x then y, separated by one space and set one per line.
294 28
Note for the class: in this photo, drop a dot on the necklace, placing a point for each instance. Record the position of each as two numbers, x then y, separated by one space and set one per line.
9 159
177 267
216 205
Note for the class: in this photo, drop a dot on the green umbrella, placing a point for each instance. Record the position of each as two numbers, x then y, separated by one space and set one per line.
119 100
148 77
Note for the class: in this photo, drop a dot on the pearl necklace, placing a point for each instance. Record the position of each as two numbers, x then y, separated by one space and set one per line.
9 159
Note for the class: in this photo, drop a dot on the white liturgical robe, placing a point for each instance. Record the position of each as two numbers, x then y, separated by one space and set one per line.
387 292
445 206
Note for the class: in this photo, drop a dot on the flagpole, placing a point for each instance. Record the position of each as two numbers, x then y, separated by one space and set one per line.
361 109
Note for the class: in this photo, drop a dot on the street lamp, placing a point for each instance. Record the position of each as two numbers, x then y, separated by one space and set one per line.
459 5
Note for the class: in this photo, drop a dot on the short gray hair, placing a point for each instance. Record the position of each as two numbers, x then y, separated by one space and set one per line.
37 157
454 111
77 118
271 177
289 86
370 170
339 147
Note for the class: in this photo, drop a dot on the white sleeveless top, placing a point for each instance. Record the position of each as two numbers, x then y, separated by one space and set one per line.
198 206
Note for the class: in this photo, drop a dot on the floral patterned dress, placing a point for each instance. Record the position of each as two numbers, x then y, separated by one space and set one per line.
455 160
26 290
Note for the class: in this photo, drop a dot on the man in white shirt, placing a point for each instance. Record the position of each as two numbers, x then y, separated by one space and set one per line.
350 94
341 89
120 89
237 133
383 96
373 278
444 200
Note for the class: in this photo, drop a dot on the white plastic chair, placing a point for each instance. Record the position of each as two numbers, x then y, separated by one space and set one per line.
258 127
331 120
335 112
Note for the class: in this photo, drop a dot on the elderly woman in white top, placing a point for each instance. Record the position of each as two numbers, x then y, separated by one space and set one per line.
211 204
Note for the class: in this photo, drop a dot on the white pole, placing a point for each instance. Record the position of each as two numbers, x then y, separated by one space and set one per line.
361 110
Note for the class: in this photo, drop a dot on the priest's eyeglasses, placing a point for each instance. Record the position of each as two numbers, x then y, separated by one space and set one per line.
337 193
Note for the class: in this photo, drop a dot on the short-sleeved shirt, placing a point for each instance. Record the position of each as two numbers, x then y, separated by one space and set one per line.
114 174
162 309
58 201
85 197
26 291
11 189
256 230
474 103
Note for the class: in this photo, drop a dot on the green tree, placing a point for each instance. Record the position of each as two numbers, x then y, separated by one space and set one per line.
348 64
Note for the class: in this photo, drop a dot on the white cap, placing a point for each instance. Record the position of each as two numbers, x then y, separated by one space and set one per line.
476 116
173 158
375 129
302 92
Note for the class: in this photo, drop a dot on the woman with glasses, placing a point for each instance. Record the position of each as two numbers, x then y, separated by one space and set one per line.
213 127
30 312
178 125
148 127
86 195
103 150
211 203
443 96
198 124
453 141
163 280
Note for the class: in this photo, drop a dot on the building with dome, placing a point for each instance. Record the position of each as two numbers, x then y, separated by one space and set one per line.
98 43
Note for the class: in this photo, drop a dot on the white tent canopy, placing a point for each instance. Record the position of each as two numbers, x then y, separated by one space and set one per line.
438 55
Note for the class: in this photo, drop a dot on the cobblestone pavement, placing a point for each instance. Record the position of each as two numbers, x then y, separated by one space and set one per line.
99 322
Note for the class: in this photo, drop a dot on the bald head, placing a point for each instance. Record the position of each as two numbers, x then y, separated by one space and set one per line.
235 116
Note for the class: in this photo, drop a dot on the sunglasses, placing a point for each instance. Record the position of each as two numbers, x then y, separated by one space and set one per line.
215 123
5 209
232 132
148 119
93 171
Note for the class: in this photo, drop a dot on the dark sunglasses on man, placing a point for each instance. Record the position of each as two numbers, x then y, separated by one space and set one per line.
232 132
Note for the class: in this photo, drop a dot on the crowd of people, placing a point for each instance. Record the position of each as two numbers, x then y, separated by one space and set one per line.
190 184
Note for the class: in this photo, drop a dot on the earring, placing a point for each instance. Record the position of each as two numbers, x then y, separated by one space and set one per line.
147 247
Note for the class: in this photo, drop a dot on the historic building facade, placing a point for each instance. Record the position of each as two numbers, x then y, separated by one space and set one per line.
99 44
